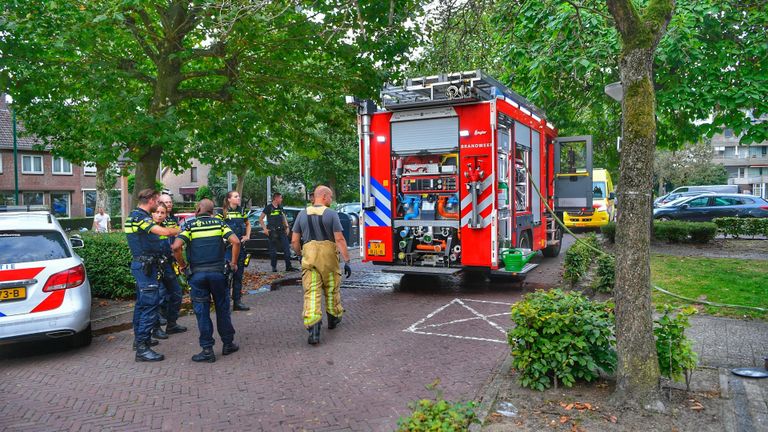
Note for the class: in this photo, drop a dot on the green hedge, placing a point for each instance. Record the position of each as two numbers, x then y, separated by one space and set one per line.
609 231
108 264
561 337
75 224
606 273
679 231
737 227
578 258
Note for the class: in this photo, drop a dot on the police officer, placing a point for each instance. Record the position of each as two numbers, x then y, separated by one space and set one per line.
145 268
205 251
170 290
170 304
237 219
277 229
319 229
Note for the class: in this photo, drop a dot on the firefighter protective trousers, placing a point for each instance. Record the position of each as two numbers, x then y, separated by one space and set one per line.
321 277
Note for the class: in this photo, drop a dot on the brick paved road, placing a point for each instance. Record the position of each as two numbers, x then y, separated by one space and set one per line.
359 378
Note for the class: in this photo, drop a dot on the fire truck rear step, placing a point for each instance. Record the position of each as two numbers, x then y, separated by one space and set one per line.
526 268
443 271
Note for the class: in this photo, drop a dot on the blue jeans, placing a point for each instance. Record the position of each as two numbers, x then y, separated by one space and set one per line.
237 277
277 237
170 294
205 285
147 302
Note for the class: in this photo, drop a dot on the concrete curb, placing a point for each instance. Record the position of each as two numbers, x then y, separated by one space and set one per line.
490 392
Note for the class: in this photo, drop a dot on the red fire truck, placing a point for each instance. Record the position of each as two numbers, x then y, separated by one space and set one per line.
451 171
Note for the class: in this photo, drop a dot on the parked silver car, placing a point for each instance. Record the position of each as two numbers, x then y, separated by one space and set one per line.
44 291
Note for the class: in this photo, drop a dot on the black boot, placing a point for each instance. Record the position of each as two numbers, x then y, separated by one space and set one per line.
152 342
238 305
229 348
159 333
145 354
206 355
314 334
333 321
174 328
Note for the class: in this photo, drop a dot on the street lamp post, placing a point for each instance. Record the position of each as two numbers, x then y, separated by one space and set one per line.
122 164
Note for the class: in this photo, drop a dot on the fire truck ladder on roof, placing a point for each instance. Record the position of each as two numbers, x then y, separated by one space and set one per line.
452 88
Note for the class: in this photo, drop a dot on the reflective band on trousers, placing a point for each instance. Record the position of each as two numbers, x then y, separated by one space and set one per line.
320 275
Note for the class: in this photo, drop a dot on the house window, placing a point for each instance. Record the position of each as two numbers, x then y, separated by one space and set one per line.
1 163
193 174
31 164
728 133
89 202
89 169
742 172
61 166
7 198
33 198
60 204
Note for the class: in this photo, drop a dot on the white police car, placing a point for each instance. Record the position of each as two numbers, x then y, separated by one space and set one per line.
44 291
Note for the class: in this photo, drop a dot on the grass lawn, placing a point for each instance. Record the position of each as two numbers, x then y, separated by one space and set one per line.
720 280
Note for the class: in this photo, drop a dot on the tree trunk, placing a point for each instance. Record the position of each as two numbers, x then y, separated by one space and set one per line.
241 173
638 371
146 172
102 189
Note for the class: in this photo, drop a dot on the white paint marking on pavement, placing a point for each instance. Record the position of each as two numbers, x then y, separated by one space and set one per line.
418 328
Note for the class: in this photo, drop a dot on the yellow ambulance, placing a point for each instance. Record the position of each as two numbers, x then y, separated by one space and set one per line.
603 200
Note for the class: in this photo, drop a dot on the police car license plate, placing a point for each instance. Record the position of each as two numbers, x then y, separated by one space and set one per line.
7 294
376 249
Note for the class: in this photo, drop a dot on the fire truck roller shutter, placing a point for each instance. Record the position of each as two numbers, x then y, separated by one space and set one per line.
436 135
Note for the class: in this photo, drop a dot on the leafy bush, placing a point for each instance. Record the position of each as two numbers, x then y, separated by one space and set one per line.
609 231
737 227
203 192
677 359
561 337
679 231
108 264
606 273
579 258
438 415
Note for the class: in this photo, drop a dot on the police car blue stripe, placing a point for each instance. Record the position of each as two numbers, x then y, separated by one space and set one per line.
2 314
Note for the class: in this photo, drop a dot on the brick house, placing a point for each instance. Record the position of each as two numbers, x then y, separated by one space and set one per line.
67 189
184 185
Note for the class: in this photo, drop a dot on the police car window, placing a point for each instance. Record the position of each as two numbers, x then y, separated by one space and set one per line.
290 215
28 246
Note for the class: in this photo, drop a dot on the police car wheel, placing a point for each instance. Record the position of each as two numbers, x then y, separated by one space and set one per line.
82 339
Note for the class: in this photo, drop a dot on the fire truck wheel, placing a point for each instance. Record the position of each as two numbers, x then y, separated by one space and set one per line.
553 251
525 240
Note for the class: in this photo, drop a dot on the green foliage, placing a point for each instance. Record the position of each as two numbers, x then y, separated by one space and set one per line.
438 415
680 231
561 337
690 166
609 231
203 192
579 257
677 359
159 186
606 273
107 262
737 227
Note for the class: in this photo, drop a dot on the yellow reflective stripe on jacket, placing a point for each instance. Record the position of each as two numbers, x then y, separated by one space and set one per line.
132 227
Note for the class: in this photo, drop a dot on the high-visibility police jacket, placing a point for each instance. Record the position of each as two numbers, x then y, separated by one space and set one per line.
137 230
235 219
205 248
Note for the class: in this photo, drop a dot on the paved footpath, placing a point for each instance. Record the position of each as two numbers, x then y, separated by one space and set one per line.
396 337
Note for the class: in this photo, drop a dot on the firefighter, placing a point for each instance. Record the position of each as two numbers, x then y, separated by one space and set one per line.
145 268
207 276
170 290
237 219
319 229
277 229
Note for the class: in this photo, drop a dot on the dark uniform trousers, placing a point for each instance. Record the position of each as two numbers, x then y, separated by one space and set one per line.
147 300
206 285
278 238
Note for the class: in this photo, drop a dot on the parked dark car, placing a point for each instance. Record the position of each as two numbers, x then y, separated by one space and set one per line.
668 198
704 208
258 243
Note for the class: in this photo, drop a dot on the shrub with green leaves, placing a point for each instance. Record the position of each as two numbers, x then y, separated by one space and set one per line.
677 359
438 414
702 232
579 258
561 337
107 262
737 227
609 231
680 231
606 273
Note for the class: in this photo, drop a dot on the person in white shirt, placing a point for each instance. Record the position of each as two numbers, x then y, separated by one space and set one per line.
101 222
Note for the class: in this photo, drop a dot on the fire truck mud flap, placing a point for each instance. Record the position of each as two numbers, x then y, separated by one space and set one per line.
438 271
525 270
